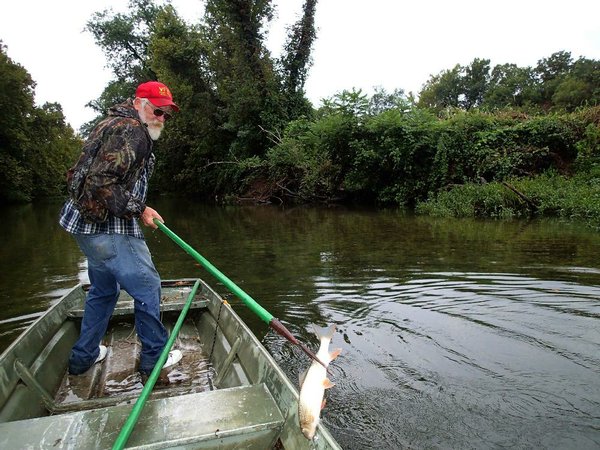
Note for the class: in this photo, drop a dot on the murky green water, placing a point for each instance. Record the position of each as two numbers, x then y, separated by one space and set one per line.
455 334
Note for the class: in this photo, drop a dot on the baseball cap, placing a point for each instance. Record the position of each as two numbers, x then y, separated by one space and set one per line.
157 93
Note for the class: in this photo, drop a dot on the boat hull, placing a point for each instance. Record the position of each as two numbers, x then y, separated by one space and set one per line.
228 392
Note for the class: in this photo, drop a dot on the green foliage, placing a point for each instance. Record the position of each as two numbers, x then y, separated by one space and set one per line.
306 163
16 100
124 39
347 103
115 92
234 98
347 152
193 138
53 149
571 93
556 83
382 101
463 150
245 123
404 154
296 61
397 156
576 197
511 86
443 90
588 147
472 200
294 163
243 73
36 146
548 194
475 82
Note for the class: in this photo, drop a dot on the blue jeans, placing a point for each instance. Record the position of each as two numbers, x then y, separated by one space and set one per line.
118 261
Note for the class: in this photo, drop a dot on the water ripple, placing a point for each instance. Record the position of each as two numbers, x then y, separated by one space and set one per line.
472 345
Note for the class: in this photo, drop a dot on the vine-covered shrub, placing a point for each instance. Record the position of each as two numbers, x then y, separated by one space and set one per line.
549 195
403 156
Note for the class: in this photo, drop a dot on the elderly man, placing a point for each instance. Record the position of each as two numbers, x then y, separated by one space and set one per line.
107 188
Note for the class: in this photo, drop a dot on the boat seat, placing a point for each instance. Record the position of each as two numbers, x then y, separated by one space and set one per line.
212 419
173 301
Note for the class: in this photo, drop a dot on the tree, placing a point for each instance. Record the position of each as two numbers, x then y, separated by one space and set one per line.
382 101
348 103
581 86
555 83
53 148
551 72
296 60
443 90
461 87
233 98
195 137
36 145
243 73
571 93
555 66
475 83
511 86
16 101
124 39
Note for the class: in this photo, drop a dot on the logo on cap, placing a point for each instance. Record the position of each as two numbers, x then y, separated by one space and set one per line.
164 91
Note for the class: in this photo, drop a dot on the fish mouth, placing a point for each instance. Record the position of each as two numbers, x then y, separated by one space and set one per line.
308 433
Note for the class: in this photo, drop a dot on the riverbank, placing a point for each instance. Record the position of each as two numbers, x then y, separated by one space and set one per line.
547 195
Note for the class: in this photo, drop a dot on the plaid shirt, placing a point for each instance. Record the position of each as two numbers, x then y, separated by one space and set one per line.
71 220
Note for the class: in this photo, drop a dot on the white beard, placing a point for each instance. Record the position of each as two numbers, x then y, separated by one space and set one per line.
153 125
154 131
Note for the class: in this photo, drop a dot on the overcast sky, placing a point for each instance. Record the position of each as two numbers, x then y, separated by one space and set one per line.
360 43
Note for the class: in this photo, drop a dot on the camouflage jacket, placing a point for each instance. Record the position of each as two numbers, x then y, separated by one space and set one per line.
102 180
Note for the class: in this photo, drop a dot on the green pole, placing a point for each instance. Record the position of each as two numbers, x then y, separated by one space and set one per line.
264 315
141 401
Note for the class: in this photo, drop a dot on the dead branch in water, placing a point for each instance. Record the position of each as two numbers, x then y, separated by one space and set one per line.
519 194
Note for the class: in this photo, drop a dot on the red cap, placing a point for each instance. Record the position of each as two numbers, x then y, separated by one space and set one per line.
158 94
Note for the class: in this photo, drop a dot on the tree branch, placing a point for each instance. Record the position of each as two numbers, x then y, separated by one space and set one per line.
522 196
274 138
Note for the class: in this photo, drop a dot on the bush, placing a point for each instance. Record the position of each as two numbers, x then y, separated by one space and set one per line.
551 194
491 200
404 155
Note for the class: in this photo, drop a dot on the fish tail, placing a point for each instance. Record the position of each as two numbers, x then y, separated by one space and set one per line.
328 334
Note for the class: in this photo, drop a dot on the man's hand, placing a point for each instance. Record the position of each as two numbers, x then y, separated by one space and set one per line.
148 217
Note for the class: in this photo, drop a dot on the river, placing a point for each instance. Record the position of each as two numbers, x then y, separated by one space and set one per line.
455 334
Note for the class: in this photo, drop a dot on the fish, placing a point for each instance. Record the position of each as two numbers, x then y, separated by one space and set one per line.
313 384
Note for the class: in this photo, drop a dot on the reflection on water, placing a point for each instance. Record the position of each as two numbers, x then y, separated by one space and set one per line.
455 334
38 264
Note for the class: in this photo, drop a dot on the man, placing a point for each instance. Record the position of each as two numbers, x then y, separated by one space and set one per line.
107 189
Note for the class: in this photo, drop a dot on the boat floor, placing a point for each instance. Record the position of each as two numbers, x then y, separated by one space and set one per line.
117 375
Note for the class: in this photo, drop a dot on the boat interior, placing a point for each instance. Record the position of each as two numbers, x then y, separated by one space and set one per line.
225 391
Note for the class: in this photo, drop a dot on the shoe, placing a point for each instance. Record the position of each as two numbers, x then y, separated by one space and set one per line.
174 357
102 354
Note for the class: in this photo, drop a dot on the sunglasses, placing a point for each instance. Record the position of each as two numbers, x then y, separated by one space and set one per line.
158 112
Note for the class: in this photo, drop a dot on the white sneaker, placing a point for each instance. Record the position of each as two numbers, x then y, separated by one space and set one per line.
174 357
102 354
